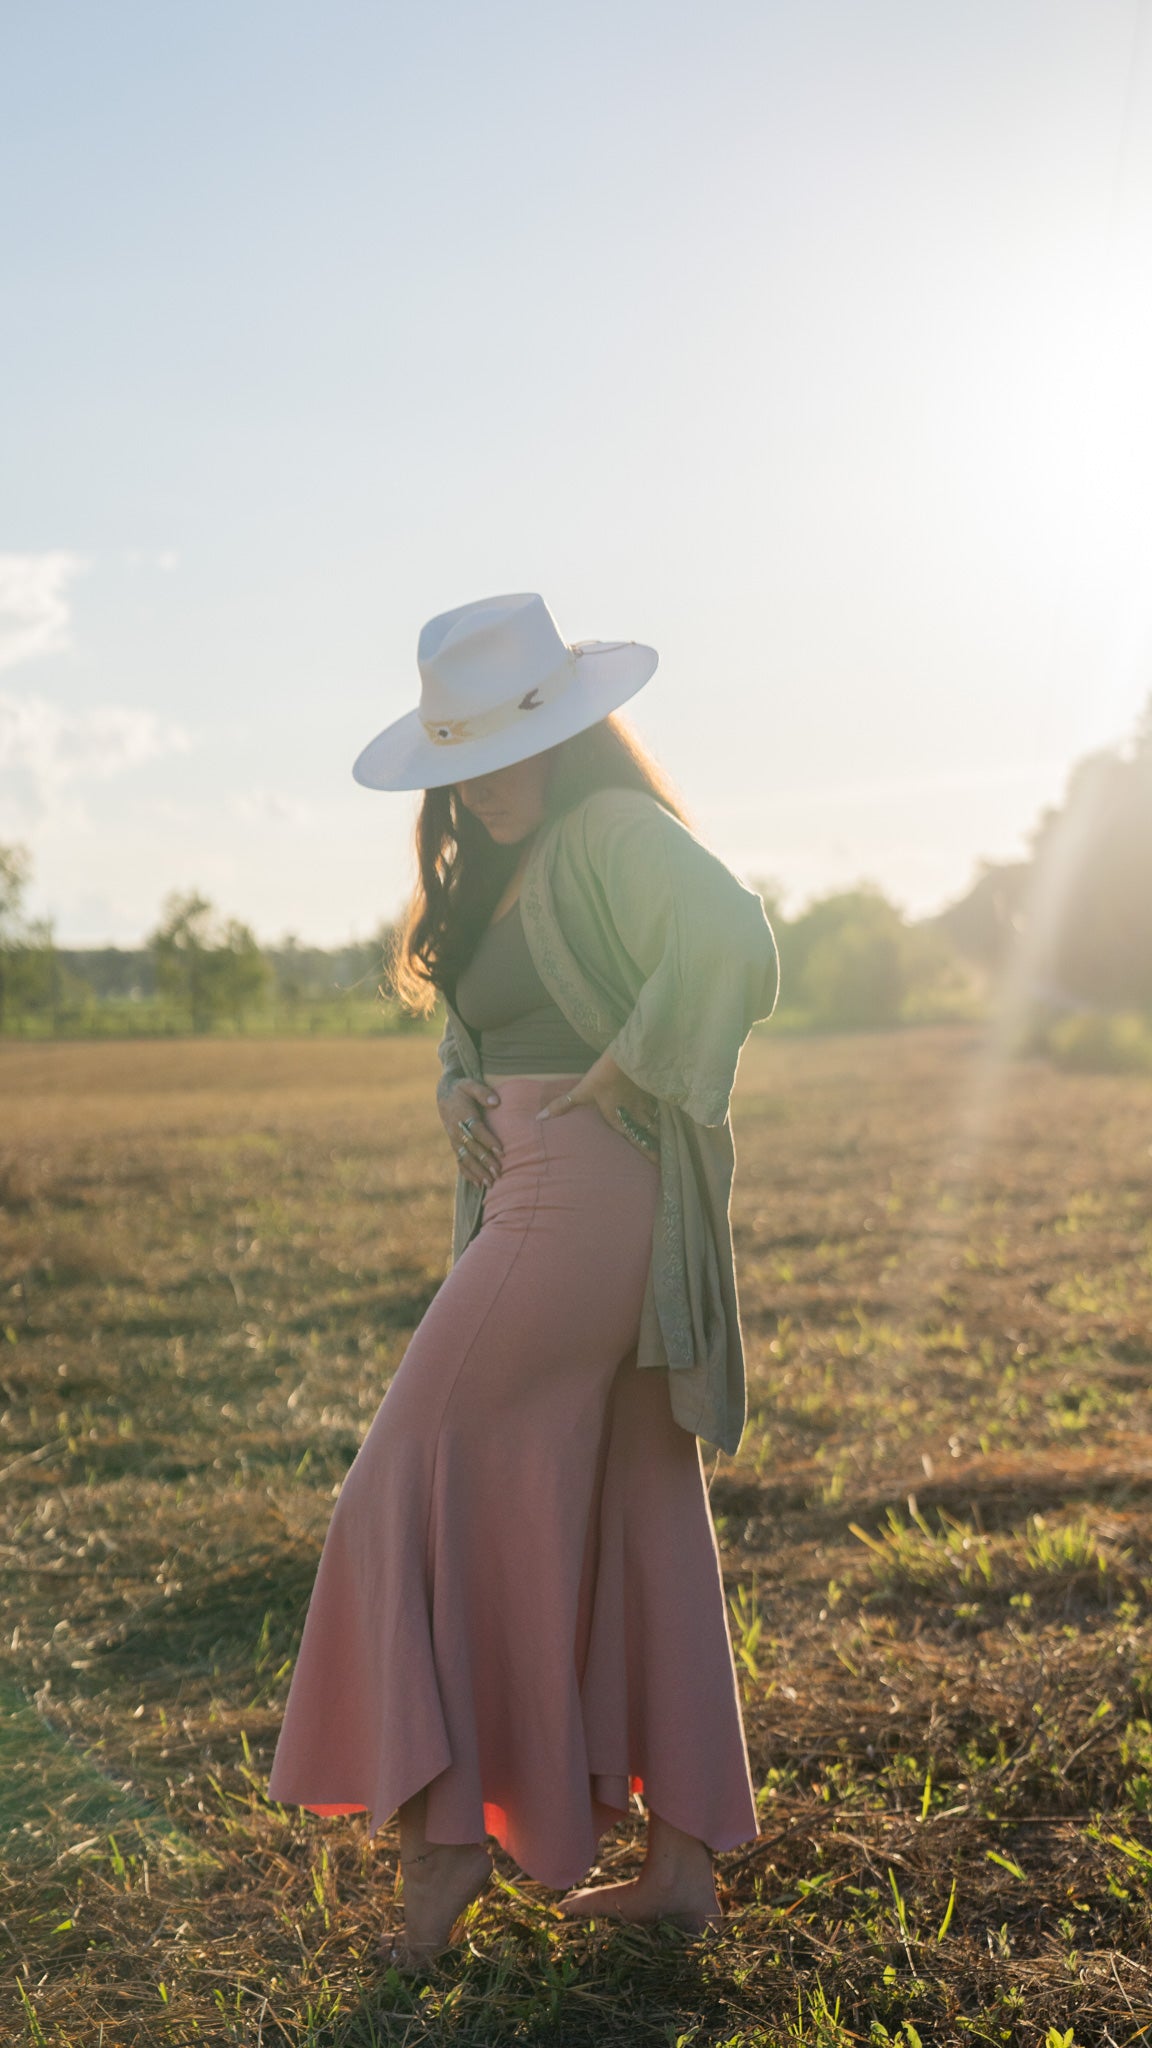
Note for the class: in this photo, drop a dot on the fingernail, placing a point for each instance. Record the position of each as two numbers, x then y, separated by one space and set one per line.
540 1113
493 1098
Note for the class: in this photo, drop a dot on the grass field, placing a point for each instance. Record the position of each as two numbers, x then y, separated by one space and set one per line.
937 1539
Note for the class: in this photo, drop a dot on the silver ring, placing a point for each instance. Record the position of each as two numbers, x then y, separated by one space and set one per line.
465 1123
461 1150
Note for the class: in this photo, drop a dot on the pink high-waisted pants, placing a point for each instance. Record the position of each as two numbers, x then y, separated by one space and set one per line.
519 1602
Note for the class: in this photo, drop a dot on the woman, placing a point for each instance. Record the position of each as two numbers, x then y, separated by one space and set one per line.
518 1618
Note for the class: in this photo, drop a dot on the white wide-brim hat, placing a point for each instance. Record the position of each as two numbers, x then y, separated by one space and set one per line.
497 684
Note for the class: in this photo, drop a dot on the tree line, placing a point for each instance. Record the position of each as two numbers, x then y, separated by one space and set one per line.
1073 918
849 959
198 971
1072 921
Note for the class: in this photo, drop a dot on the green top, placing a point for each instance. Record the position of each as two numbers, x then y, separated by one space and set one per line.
658 955
515 1025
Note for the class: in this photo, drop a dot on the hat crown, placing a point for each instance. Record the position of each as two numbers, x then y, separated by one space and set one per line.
497 685
476 657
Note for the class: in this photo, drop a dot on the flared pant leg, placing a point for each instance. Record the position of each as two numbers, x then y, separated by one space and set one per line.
519 1605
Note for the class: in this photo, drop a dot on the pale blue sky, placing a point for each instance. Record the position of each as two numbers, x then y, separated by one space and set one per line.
808 343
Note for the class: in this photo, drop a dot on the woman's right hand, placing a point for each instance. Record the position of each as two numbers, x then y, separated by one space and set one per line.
480 1162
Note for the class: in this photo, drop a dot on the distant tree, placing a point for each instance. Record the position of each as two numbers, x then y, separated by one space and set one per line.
850 957
241 971
1092 880
1077 914
208 969
180 946
290 972
985 925
850 960
15 870
34 969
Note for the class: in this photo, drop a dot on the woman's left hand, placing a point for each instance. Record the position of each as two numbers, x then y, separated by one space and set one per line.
612 1090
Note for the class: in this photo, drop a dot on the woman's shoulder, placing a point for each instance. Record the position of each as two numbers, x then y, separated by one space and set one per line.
630 841
603 813
613 831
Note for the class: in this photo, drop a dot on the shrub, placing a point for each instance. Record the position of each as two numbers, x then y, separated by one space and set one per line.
855 976
850 961
1096 1043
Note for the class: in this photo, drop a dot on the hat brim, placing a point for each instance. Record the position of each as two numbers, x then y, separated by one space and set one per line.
403 756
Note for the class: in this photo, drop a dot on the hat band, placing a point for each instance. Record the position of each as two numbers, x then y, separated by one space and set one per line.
449 732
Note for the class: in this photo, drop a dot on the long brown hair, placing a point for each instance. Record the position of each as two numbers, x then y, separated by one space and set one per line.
463 871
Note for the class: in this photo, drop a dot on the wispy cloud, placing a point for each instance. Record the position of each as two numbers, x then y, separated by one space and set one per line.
270 807
45 749
164 559
34 604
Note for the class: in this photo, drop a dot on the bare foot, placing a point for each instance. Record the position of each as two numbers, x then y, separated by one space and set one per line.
675 1884
438 1886
644 1900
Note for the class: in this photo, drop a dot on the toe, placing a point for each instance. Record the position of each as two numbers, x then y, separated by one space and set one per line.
394 1953
594 1902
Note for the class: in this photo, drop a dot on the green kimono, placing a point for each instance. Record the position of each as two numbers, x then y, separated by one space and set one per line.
658 955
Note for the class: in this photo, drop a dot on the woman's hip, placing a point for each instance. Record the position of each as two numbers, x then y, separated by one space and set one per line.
571 1165
546 1299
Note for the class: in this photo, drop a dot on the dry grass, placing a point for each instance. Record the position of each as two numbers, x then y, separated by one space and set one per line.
938 1540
